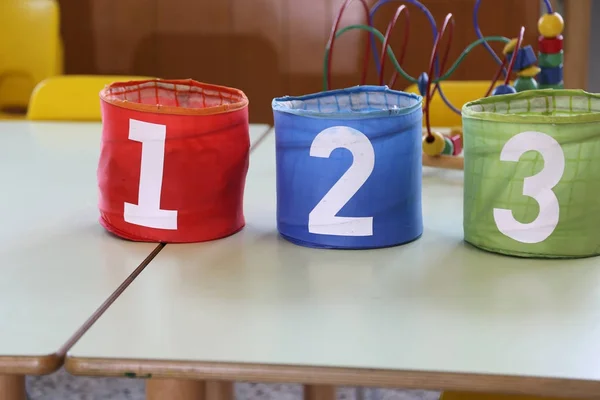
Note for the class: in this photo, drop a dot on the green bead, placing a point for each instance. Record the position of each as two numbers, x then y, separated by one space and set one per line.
551 60
523 83
449 146
557 86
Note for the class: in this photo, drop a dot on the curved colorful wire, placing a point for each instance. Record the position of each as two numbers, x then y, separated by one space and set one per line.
416 3
448 22
514 55
434 77
394 60
333 36
479 35
433 25
496 77
390 28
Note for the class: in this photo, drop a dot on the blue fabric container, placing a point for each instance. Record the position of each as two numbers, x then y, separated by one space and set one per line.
349 166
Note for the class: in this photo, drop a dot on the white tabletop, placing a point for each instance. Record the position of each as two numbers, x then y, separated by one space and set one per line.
435 313
57 264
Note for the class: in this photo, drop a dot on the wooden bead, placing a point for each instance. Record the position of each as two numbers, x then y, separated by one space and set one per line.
457 142
523 83
550 45
529 72
551 76
456 130
433 145
551 25
525 58
503 89
509 47
449 146
551 60
422 83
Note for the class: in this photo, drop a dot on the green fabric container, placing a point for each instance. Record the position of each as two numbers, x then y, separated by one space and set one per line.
532 173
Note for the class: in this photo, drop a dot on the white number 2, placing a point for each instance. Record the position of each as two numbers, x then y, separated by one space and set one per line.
322 219
539 187
148 212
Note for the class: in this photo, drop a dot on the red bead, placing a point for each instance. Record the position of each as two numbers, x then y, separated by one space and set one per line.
550 45
458 145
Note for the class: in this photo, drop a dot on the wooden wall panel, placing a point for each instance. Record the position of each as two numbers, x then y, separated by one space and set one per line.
578 21
349 48
124 36
267 48
79 36
306 33
259 52
309 25
193 40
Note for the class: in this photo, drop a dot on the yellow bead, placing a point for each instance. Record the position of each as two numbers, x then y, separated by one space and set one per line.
551 25
434 145
510 46
529 72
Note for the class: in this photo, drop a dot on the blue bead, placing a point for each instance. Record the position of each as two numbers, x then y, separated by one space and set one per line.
525 58
550 76
503 89
422 83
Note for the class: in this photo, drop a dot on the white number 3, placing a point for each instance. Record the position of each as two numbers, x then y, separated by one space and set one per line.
539 187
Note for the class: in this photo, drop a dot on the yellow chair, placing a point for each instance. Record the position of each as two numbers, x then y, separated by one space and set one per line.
458 93
71 97
30 48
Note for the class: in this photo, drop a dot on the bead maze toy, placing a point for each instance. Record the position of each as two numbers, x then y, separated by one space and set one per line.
173 161
530 147
444 150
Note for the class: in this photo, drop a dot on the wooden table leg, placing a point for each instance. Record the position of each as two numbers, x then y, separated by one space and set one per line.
174 389
217 390
12 387
319 392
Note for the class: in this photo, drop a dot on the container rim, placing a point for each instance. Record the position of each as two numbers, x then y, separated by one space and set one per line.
113 94
579 107
289 104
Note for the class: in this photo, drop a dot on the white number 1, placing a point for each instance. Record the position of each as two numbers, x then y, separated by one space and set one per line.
539 187
148 212
322 219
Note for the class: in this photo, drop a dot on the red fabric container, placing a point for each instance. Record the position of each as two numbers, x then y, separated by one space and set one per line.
174 160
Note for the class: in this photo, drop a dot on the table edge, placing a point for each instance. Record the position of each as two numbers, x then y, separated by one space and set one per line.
47 364
148 369
30 365
268 373
261 138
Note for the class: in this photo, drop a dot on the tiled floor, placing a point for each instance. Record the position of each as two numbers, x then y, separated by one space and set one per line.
62 386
